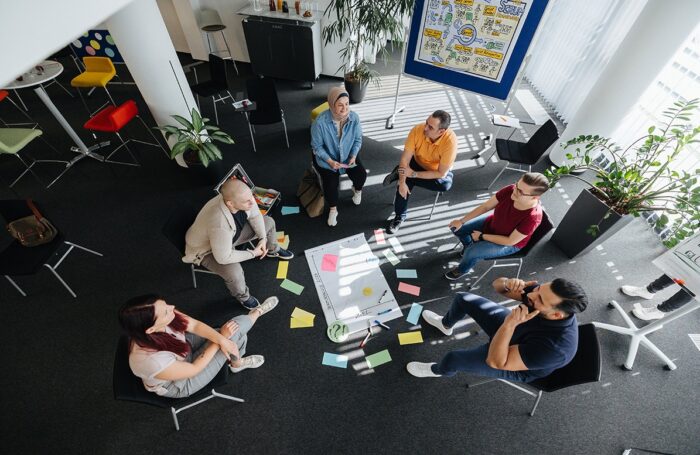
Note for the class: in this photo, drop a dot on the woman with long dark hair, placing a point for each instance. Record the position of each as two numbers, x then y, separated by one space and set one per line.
176 355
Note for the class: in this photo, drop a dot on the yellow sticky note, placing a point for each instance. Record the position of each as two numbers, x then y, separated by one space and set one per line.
279 235
282 268
410 337
367 292
303 315
284 243
295 323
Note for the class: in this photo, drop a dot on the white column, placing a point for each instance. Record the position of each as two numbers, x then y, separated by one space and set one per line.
140 33
658 32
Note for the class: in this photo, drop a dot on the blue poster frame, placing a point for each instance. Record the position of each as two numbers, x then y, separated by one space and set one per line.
498 90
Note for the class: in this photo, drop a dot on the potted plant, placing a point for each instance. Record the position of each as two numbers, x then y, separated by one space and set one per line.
364 24
195 139
632 181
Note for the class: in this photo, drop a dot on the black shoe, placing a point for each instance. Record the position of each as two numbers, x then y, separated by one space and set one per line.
455 274
251 303
391 177
281 253
393 227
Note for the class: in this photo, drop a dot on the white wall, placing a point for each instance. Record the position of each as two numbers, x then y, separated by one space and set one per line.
31 30
172 23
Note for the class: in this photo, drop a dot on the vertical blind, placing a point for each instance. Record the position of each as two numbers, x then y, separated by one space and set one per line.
575 42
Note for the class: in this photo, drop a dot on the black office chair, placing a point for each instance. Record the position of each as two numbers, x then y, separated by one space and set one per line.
216 85
268 110
525 153
128 387
585 367
517 258
175 229
17 260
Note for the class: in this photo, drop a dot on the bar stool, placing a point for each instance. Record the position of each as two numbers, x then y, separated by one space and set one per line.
99 71
14 140
210 22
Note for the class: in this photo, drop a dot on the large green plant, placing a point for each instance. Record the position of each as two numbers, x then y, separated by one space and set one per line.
365 23
640 178
196 135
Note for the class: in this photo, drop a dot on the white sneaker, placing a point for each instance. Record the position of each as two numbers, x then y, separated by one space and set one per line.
268 305
637 291
421 370
356 196
332 218
435 320
252 361
647 314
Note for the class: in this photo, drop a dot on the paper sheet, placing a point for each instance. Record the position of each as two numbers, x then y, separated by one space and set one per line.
291 286
409 288
295 323
380 358
288 210
396 245
379 237
284 243
410 337
335 360
406 273
282 268
303 315
504 120
391 257
414 314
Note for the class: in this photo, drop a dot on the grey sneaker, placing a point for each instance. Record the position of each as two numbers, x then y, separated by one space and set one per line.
637 291
252 361
268 305
421 370
391 177
435 320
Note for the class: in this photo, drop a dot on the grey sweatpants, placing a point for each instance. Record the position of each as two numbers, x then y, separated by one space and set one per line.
233 273
186 387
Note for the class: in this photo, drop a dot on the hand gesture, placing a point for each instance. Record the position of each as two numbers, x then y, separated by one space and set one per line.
351 163
229 349
228 329
334 164
515 284
519 315
475 235
260 250
404 191
455 225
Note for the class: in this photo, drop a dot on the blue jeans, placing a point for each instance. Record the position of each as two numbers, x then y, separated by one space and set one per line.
477 251
401 204
489 316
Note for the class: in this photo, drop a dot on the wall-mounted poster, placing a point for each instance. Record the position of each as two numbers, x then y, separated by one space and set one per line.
98 43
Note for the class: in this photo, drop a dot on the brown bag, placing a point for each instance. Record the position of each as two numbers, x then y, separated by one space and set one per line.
32 230
310 194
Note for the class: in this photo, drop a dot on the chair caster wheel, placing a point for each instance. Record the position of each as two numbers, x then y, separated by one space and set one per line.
610 305
668 368
624 368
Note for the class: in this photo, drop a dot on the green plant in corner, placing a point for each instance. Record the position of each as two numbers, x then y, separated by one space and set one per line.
640 178
196 136
364 24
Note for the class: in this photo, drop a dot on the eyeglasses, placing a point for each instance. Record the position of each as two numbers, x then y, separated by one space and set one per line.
520 192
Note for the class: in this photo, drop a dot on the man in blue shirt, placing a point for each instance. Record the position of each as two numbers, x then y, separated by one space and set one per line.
537 337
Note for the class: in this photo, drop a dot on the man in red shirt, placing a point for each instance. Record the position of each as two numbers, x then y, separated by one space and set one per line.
516 214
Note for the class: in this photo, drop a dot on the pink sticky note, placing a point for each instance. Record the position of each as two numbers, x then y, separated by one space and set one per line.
409 288
379 236
329 262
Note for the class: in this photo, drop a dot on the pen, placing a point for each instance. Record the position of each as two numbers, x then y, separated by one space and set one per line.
364 342
381 297
382 324
384 312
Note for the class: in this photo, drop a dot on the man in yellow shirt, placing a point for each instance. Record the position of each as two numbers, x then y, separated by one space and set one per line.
428 155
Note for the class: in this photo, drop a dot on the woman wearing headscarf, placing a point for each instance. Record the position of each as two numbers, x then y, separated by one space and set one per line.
336 138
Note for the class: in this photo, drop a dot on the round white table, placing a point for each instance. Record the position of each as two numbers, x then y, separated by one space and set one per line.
35 78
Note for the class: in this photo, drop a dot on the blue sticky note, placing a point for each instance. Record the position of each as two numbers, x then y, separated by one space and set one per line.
406 273
288 210
335 360
414 314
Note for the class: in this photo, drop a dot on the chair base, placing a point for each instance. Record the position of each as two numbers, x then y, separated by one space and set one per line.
427 217
496 264
214 394
537 394
198 269
54 268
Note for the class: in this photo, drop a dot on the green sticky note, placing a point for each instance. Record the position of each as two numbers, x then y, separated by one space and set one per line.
380 358
291 286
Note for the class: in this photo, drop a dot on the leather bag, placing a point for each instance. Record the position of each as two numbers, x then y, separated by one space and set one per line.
310 194
32 230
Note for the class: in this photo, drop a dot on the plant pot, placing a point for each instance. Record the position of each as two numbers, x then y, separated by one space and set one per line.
356 89
571 236
212 174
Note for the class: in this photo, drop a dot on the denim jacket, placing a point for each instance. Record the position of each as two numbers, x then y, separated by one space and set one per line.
325 143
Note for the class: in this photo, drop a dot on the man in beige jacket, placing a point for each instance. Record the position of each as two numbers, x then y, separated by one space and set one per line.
229 219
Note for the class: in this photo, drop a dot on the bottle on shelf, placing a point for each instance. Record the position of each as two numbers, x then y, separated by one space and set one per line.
285 7
297 7
272 5
279 5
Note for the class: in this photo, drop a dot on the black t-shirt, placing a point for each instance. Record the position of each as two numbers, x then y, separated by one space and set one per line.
544 344
239 218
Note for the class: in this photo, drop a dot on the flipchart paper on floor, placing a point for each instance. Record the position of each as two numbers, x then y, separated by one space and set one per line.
351 292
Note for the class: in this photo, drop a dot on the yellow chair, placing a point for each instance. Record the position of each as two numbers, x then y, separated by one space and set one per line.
98 72
317 111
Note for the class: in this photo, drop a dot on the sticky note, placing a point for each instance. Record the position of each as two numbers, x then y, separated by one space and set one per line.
284 243
282 268
288 210
396 245
335 360
406 273
379 236
414 314
329 262
295 323
304 315
391 257
409 288
279 235
380 358
291 286
410 337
